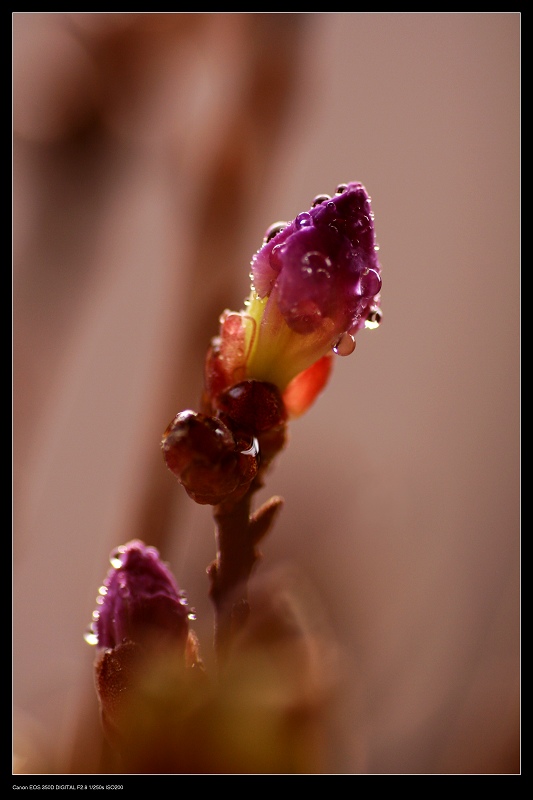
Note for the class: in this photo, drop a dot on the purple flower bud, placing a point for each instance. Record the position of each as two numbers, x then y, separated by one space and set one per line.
316 281
323 265
139 600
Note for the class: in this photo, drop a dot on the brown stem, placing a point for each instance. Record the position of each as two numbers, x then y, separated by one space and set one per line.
237 534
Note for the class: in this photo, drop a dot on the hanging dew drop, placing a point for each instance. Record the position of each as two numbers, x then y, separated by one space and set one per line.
345 345
115 559
374 318
90 636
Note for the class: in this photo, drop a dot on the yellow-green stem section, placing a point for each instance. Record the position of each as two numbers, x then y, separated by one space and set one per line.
277 354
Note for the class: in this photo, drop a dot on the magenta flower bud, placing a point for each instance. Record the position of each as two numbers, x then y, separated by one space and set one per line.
323 265
139 601
316 281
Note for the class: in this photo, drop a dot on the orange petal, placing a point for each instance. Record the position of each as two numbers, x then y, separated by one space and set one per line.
302 391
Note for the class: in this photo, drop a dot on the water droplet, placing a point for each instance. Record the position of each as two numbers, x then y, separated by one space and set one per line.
303 220
314 261
115 559
103 590
96 615
191 615
370 283
341 188
276 257
253 450
345 345
273 230
374 317
320 198
90 636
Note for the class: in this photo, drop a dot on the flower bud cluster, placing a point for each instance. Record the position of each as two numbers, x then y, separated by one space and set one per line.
210 462
217 456
315 282
160 712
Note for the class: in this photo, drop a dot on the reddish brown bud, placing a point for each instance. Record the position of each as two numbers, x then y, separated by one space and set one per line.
253 406
209 462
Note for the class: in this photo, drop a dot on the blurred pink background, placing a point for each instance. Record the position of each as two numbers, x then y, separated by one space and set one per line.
151 152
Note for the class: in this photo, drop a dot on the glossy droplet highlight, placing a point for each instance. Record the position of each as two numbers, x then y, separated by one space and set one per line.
374 318
90 636
345 345
253 450
273 230
276 257
115 559
370 283
320 198
303 220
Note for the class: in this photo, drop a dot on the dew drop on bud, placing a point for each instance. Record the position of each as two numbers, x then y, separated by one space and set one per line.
320 198
345 345
253 450
273 230
374 318
90 636
115 559
303 220
370 283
